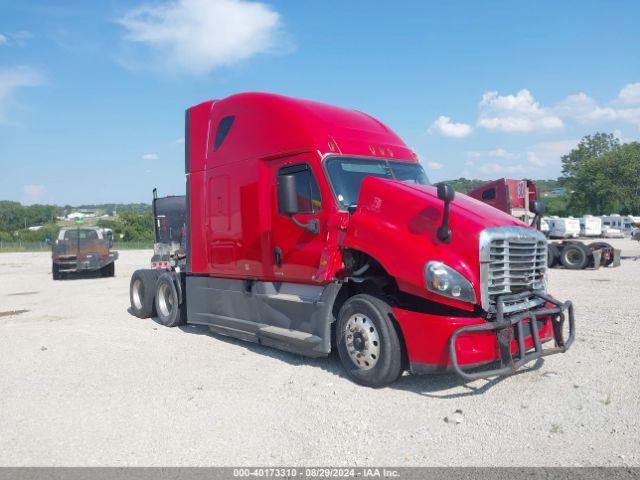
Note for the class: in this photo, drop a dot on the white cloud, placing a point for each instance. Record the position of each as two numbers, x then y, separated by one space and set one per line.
629 95
32 193
15 38
548 154
521 113
198 36
500 169
534 160
515 113
502 153
495 153
13 78
617 133
583 108
625 107
20 38
435 165
444 126
150 156
543 160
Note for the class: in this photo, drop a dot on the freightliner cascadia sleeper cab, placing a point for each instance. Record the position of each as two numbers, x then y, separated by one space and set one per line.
311 227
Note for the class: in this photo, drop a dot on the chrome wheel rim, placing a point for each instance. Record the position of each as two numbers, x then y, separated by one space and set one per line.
363 341
165 300
137 293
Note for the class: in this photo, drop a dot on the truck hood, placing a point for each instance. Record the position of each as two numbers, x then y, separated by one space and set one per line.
396 224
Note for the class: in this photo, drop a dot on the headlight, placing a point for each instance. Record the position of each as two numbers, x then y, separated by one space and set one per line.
448 282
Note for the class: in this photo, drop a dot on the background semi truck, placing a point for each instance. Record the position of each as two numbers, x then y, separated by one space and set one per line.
311 228
510 195
83 249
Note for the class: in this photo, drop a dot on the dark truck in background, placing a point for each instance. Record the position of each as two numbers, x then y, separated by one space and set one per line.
169 215
83 249
169 253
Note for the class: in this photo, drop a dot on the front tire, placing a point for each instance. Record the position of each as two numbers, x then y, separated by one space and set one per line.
55 271
142 291
368 344
169 310
108 270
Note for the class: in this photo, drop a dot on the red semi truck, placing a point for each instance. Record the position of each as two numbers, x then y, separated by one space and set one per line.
311 228
509 195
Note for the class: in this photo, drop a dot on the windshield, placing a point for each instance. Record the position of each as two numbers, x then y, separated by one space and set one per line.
72 235
346 175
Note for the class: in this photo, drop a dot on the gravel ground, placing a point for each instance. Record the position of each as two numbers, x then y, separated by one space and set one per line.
83 382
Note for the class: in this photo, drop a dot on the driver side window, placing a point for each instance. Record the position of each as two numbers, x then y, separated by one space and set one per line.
308 193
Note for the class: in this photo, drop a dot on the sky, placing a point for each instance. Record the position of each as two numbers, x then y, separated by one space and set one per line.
92 94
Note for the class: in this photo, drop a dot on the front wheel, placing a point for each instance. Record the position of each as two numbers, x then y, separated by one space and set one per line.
367 341
108 270
55 271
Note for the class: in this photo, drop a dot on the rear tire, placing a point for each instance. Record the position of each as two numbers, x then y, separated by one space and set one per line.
169 310
55 271
142 290
599 245
367 341
553 255
575 256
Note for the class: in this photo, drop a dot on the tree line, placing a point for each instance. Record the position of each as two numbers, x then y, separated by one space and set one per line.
130 226
602 176
16 218
134 222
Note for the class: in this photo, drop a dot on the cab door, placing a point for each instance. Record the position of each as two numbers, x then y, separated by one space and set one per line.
296 251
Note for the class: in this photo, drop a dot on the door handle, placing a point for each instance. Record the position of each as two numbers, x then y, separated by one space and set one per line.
277 256
312 226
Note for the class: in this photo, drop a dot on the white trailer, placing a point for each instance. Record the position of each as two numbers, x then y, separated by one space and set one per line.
563 227
624 223
544 226
590 226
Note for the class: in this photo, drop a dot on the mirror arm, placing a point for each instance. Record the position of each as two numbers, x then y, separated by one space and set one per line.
536 221
444 232
312 226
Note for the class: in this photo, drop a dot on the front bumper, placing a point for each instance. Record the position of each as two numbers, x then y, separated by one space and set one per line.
74 264
437 343
504 326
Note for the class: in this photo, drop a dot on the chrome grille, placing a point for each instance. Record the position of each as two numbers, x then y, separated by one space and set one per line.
512 260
